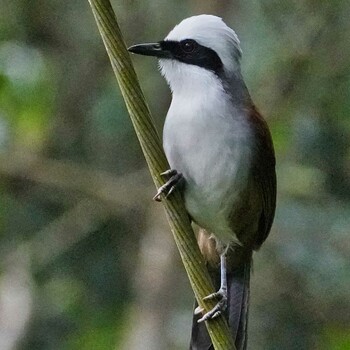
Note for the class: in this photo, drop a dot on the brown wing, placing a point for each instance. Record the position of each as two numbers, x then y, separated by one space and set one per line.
264 174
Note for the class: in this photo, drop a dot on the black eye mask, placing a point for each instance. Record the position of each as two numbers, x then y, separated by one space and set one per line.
190 52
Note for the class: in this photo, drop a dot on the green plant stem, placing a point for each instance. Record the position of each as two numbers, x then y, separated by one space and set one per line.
157 163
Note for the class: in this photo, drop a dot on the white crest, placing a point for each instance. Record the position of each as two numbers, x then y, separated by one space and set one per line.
212 32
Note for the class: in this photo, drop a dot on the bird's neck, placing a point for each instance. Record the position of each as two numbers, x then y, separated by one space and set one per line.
195 84
235 86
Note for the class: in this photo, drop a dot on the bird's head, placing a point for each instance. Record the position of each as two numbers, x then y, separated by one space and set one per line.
198 46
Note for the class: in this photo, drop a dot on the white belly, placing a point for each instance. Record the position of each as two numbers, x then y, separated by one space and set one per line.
213 153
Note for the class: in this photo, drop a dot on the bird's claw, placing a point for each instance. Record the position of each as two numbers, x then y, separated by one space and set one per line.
168 188
218 309
198 310
169 172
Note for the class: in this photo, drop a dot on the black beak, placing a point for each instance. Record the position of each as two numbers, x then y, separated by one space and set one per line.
153 49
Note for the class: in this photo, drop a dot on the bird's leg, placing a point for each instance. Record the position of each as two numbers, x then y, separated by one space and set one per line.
173 182
221 294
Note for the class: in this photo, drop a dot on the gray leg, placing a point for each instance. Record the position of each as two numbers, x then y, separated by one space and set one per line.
221 294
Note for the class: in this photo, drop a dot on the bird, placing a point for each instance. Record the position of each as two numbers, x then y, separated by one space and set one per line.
222 160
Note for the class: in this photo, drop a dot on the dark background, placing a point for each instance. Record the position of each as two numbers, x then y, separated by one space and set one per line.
87 260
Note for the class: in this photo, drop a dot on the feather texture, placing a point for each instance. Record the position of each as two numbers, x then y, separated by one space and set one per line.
215 137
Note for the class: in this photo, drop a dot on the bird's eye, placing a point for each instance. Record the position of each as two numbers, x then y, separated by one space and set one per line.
188 46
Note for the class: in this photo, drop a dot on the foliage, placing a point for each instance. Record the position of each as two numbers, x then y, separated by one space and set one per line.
85 255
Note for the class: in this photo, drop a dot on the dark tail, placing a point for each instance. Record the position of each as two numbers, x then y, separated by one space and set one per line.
236 313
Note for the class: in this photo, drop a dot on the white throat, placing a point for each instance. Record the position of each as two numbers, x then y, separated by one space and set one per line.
185 79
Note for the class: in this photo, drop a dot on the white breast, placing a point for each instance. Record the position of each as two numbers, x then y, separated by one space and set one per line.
209 141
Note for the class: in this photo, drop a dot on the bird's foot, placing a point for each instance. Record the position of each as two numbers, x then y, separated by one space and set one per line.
169 187
218 309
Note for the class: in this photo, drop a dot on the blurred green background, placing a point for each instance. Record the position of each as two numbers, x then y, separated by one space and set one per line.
87 260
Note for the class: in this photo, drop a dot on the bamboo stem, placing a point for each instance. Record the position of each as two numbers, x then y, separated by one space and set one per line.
151 146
